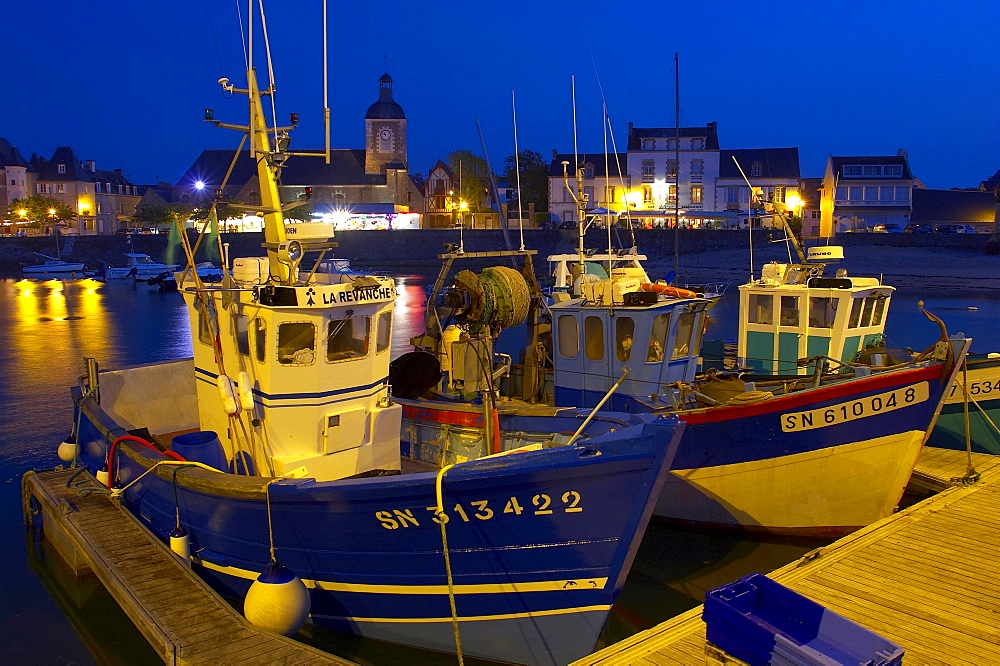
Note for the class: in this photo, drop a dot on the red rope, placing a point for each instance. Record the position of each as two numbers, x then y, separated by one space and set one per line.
139 440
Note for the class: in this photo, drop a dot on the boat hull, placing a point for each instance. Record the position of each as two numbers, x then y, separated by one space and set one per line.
53 268
776 466
984 410
539 543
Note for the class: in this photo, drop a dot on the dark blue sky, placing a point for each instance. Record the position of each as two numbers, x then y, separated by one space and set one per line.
126 83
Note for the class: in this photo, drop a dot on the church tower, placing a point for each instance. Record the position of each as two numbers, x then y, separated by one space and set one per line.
385 131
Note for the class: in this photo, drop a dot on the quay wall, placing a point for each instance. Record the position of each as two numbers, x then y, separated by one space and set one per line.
417 246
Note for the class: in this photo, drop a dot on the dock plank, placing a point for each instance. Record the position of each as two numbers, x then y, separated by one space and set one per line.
183 619
926 578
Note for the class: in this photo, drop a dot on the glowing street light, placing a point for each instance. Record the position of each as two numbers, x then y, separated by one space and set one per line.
200 185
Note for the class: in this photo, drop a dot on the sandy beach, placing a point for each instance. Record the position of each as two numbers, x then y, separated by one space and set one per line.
903 267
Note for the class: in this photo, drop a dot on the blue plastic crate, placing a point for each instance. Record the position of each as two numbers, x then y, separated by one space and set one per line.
763 622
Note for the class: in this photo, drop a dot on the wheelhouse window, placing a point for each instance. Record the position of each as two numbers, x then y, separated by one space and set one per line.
569 336
260 339
383 333
761 311
822 311
593 336
855 319
789 315
347 338
866 313
241 324
684 340
296 343
658 338
880 303
624 333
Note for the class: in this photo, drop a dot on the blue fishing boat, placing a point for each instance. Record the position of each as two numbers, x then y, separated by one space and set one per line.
982 377
271 461
803 442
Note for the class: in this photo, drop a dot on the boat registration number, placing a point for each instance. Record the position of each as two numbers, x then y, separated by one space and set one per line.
855 409
540 505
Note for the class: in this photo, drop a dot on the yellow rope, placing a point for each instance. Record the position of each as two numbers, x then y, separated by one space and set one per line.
442 519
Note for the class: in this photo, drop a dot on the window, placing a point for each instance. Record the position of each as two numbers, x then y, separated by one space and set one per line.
756 169
671 193
696 191
902 194
569 336
567 195
893 171
609 194
647 171
672 144
593 337
204 329
60 188
97 187
658 338
347 338
789 315
732 195
624 332
880 302
822 311
61 168
866 313
886 193
260 338
854 193
855 313
647 195
588 171
779 194
683 340
697 167
43 188
296 343
761 309
648 144
697 144
873 172
242 325
99 211
841 194
671 168
871 194
851 171
383 334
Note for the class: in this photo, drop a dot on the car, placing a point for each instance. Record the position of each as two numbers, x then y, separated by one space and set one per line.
949 229
914 228
969 229
568 224
887 228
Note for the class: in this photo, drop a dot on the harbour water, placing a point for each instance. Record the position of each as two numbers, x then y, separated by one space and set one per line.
48 327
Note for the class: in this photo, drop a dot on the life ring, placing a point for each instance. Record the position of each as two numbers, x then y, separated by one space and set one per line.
667 290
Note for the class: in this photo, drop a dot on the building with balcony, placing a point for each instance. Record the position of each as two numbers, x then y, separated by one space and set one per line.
603 183
860 192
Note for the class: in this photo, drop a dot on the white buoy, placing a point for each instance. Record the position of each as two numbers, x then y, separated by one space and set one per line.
68 449
180 544
277 601
102 477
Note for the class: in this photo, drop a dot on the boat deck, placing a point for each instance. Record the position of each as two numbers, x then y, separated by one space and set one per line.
926 578
183 619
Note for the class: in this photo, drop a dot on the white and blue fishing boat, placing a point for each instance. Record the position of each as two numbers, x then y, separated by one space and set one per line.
279 442
810 444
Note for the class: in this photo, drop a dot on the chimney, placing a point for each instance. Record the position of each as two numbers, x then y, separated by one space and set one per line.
118 171
555 154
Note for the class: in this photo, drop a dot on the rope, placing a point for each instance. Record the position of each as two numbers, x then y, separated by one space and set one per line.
270 529
442 519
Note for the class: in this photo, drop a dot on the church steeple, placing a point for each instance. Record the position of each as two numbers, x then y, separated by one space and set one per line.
385 131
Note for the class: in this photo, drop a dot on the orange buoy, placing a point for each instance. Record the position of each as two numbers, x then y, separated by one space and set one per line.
667 290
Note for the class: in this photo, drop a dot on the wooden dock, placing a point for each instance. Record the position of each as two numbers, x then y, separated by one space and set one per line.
183 619
926 578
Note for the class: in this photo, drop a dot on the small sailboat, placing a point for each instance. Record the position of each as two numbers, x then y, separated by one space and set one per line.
53 265
279 442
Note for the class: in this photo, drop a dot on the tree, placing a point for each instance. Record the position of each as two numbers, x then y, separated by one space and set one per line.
472 179
40 211
534 171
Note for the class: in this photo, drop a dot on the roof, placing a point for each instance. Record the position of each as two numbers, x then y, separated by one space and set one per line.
9 156
73 173
774 162
709 132
347 167
613 161
953 206
839 162
385 108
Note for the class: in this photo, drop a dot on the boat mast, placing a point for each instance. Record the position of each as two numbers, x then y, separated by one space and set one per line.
677 166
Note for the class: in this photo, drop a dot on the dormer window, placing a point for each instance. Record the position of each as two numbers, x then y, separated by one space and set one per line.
697 144
588 171
648 144
61 168
671 144
756 169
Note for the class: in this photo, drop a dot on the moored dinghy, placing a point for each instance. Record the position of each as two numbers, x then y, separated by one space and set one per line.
516 558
